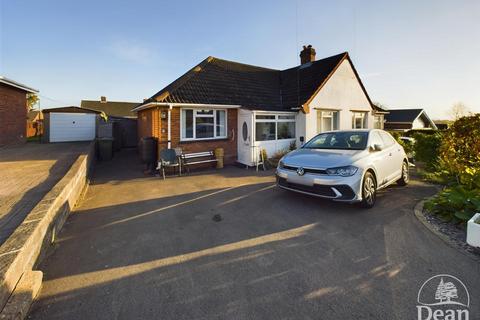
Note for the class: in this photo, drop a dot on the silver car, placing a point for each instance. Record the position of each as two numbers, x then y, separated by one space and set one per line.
345 166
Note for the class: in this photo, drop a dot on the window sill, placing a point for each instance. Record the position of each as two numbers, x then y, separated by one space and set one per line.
276 140
202 140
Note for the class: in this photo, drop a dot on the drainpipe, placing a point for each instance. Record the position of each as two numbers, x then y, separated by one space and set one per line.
169 137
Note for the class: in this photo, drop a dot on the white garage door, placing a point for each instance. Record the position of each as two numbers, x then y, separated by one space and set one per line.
72 127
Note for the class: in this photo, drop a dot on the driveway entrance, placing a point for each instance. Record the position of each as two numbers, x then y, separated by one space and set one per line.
227 244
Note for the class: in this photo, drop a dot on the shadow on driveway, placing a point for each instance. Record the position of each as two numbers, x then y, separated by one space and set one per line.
143 248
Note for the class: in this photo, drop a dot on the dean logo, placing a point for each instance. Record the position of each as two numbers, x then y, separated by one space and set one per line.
300 171
443 297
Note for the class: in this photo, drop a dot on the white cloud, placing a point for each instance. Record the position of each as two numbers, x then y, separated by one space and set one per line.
131 51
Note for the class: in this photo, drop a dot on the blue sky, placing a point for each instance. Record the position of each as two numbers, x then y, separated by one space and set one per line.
408 53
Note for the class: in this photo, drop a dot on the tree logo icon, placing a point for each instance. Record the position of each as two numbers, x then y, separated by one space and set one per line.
445 295
446 291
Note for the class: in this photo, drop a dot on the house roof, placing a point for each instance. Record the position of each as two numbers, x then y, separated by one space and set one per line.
223 82
17 85
71 109
403 115
111 108
408 116
379 109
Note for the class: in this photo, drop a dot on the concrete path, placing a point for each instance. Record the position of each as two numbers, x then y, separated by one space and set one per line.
228 245
27 173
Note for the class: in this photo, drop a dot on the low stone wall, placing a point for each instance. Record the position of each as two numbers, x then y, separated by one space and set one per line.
26 247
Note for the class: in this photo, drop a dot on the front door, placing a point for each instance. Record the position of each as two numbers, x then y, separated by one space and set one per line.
245 137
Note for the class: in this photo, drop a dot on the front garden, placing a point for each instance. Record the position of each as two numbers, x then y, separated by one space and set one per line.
452 159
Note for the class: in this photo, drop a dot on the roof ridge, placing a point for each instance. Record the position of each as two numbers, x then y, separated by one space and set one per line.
241 63
313 62
405 109
108 101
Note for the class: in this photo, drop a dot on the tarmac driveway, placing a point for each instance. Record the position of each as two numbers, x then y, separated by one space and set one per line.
227 244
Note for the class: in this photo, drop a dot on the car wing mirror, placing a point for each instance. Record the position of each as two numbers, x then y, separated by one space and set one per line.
377 147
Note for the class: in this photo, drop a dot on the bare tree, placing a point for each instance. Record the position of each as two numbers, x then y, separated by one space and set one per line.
458 110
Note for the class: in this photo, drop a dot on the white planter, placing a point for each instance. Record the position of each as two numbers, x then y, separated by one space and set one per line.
473 231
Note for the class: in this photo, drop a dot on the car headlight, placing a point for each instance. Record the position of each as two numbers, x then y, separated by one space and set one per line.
346 171
280 164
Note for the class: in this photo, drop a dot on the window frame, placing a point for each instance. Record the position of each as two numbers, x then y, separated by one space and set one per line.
378 119
277 118
364 117
194 120
320 116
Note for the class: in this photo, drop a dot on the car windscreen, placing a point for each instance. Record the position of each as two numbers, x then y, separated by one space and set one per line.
342 140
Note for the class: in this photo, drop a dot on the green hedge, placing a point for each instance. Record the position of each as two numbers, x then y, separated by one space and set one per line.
427 149
458 159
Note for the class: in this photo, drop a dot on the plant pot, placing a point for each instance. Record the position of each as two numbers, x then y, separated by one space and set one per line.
473 231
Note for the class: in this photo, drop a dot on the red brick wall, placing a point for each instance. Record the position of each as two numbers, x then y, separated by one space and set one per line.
13 115
150 124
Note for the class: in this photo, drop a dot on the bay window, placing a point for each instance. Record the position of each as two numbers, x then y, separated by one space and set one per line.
200 124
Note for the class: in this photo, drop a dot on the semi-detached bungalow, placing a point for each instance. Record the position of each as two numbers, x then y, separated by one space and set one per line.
243 108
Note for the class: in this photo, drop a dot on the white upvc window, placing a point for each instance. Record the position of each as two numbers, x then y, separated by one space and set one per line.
271 127
359 120
327 120
203 124
378 121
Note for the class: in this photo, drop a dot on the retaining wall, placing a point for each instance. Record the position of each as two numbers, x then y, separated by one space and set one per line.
26 247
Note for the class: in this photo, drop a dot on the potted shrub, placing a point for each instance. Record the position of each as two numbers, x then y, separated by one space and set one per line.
473 231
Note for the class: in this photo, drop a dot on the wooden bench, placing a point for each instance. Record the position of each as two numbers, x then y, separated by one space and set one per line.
189 159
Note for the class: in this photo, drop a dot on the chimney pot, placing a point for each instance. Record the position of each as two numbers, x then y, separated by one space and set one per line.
307 54
103 99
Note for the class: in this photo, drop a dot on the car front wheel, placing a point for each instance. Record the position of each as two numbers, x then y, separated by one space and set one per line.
403 181
369 191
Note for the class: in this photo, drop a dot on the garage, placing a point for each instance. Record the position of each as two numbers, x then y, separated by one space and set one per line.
70 124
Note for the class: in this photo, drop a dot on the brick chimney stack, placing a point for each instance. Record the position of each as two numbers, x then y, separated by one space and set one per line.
307 54
103 99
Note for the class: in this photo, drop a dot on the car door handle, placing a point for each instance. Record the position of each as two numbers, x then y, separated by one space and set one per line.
390 154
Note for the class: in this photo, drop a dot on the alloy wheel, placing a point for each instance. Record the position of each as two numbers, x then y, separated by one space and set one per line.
369 190
405 173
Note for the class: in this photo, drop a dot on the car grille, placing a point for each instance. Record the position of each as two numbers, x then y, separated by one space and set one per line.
306 170
319 189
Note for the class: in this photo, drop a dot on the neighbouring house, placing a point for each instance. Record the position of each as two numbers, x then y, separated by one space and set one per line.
120 114
243 108
111 108
13 111
442 124
408 119
70 123
34 123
